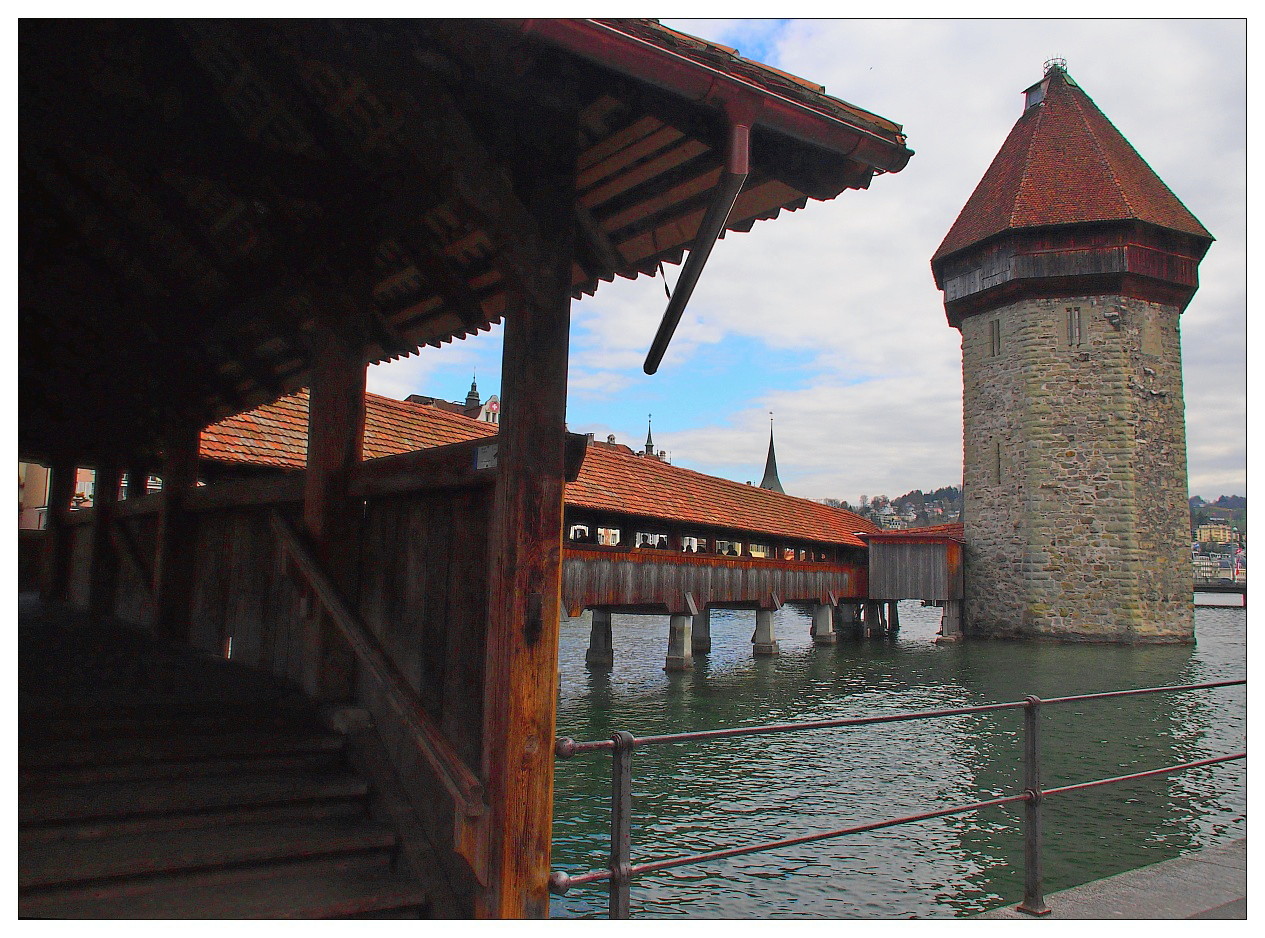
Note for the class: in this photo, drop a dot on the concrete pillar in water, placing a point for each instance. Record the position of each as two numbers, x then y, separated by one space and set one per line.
873 625
680 651
823 633
601 653
848 619
763 642
893 616
701 632
951 622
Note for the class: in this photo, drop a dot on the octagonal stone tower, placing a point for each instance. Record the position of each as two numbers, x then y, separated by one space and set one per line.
1066 273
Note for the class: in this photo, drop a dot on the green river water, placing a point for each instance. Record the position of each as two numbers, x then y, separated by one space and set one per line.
698 797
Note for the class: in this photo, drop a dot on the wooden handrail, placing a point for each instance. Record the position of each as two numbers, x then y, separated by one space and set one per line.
452 772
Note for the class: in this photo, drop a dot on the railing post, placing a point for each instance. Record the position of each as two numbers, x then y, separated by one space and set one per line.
621 824
1033 899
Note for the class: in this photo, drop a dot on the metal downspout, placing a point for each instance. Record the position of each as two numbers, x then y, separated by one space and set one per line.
737 166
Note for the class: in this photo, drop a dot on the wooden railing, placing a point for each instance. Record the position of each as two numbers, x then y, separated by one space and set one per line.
443 760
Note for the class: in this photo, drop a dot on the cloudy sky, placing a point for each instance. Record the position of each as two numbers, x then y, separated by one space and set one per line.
829 317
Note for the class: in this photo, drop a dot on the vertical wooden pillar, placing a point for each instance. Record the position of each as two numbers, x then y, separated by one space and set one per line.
61 489
175 553
331 517
137 480
105 560
521 664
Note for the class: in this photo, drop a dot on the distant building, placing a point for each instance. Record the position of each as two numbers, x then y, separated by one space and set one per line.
1066 273
1214 533
488 411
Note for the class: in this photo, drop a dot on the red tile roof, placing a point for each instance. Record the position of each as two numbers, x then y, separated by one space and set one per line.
276 434
1065 163
612 479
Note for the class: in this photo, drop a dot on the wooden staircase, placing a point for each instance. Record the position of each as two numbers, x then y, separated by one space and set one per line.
217 809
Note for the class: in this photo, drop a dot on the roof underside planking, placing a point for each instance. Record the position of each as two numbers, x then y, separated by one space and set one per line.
195 197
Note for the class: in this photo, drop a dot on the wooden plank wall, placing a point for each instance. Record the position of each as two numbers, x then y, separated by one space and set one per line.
659 578
915 571
423 594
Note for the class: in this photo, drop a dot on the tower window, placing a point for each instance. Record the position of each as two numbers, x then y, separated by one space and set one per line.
994 337
1073 325
997 462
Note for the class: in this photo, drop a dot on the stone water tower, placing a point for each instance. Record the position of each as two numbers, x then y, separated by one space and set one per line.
1066 273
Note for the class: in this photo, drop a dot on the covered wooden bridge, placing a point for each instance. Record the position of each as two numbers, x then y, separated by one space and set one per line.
640 535
216 214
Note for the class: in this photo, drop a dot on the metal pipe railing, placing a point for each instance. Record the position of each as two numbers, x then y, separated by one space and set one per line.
622 744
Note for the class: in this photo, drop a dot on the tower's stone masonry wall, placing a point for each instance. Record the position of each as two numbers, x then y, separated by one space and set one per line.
1074 475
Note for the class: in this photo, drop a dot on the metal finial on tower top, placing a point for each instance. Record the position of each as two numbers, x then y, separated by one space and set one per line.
1055 63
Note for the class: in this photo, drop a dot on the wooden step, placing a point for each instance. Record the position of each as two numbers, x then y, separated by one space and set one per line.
64 753
301 762
43 806
35 728
116 827
319 889
65 863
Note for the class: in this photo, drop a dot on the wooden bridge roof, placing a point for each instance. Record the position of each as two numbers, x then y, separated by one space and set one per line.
197 197
613 479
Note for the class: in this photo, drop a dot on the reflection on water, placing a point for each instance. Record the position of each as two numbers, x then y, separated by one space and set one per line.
707 796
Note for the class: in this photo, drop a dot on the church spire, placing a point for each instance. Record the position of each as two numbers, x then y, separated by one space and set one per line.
649 438
472 399
770 480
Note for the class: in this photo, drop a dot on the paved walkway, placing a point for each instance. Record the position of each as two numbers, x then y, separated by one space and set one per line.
1210 884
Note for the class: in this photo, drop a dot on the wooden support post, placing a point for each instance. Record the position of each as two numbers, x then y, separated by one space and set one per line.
893 616
601 653
521 664
137 481
331 517
105 559
57 544
176 550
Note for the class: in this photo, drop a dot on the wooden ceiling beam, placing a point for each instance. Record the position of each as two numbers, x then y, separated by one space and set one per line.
439 138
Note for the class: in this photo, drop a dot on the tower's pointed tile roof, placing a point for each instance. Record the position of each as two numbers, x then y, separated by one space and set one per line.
1063 163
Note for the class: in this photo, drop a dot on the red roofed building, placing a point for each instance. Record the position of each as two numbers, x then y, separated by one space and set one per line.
617 489
1066 272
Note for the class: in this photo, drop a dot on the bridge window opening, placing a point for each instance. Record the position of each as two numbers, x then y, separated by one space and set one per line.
729 548
581 533
759 550
608 537
691 545
652 539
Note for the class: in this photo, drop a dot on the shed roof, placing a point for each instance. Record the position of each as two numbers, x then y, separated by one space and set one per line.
953 531
612 479
1065 163
196 195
